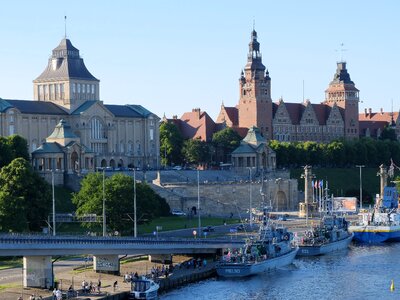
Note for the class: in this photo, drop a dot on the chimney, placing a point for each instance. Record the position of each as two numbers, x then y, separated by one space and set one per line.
370 112
381 111
175 117
365 112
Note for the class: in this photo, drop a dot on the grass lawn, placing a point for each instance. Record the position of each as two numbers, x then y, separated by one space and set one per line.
8 262
181 222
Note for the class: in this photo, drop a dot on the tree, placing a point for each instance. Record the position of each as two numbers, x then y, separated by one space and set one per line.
25 198
119 201
388 133
18 146
5 152
170 144
196 151
225 141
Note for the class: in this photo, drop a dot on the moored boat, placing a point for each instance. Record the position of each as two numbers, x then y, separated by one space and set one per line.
382 223
330 235
143 288
273 248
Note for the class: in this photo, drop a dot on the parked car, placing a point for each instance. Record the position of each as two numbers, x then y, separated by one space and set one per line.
208 229
177 168
177 212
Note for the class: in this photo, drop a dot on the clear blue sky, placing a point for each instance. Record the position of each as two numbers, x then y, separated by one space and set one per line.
172 56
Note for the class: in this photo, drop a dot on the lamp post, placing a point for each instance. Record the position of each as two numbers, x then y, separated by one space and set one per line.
54 203
360 166
134 204
104 203
198 199
250 212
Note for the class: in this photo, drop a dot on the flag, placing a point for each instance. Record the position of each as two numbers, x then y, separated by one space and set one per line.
321 184
316 184
312 183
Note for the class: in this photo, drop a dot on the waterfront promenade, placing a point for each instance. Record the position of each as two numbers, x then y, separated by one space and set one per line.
76 273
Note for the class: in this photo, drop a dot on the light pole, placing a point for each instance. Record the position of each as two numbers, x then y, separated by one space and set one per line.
250 212
104 203
360 166
198 200
134 204
54 203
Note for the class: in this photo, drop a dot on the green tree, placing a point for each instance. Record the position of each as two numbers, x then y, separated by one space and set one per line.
225 141
119 201
170 144
388 133
5 152
25 198
196 151
18 146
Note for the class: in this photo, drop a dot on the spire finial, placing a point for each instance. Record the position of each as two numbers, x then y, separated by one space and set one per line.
65 26
341 51
254 23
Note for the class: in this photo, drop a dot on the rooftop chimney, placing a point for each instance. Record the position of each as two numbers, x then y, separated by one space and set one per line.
381 111
365 112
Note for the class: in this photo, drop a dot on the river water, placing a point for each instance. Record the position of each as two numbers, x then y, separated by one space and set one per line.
361 272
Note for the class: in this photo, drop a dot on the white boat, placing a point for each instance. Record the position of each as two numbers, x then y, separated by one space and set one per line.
143 288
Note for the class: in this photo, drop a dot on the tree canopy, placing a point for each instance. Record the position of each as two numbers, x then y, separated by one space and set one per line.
225 141
170 144
196 151
25 198
119 201
12 147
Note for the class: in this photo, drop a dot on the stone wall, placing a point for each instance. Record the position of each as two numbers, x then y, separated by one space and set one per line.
226 198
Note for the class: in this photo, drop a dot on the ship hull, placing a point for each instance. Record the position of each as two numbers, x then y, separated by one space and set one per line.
248 269
325 248
376 234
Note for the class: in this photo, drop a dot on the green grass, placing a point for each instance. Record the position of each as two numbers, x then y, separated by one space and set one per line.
177 222
8 263
8 286
344 181
63 198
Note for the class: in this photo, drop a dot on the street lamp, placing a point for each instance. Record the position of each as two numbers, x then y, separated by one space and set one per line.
104 203
54 203
250 213
134 204
360 166
198 199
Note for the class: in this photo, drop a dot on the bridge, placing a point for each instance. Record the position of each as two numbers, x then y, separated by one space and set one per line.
38 250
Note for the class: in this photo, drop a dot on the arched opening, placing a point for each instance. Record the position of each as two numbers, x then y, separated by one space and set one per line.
103 163
74 161
112 163
120 163
280 201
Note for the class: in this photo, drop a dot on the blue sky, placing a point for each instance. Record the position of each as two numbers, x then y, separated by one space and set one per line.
172 56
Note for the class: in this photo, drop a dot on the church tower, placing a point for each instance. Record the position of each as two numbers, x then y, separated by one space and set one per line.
66 81
255 103
344 93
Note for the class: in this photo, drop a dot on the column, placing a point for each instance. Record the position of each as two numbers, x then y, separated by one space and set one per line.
108 264
38 271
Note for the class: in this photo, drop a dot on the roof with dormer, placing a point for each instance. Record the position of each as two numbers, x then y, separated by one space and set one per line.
65 63
32 107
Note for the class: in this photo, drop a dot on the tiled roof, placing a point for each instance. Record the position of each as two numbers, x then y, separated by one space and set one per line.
32 107
295 111
125 111
232 113
254 136
65 63
62 131
140 110
372 126
322 112
244 148
49 148
380 116
196 124
85 105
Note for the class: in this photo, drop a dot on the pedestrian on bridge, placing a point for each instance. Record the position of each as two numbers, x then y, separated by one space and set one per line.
98 286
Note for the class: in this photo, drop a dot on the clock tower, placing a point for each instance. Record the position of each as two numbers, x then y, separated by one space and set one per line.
255 103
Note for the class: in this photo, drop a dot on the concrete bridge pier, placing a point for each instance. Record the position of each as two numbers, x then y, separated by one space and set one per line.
38 271
108 264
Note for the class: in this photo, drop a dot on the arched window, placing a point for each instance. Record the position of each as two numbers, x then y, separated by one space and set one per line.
96 129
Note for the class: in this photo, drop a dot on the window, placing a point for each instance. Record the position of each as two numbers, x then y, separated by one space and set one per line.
74 88
52 91
93 89
88 88
58 91
83 89
96 129
151 134
79 88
